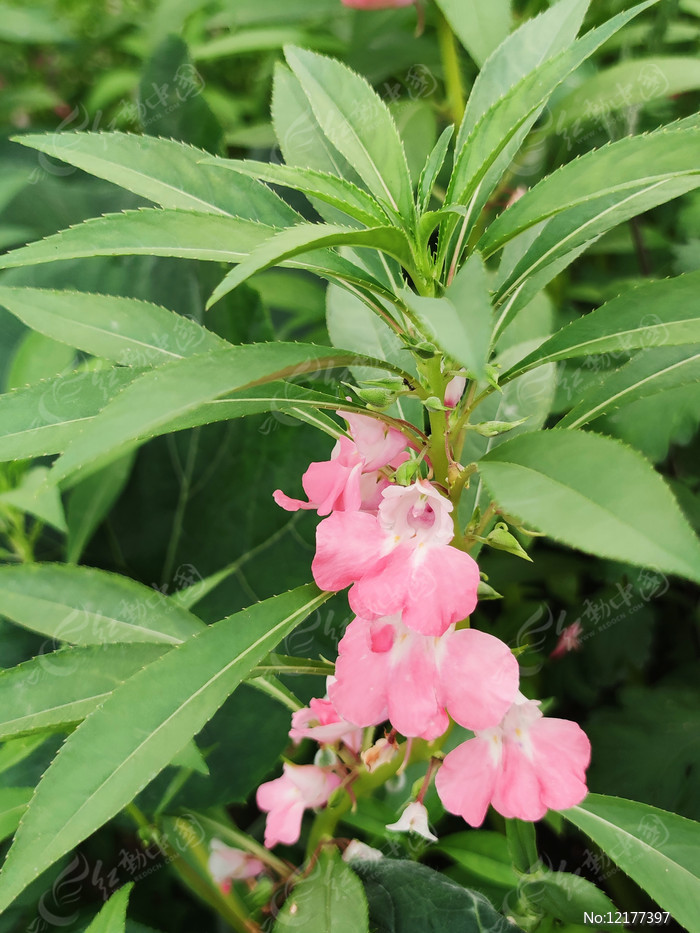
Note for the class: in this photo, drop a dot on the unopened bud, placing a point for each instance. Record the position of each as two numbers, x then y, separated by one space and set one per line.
433 404
406 472
501 539
493 428
379 754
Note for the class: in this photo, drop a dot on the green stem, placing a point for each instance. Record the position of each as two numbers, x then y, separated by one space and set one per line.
451 70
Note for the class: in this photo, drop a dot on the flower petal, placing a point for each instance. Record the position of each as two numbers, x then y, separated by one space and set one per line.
466 780
348 545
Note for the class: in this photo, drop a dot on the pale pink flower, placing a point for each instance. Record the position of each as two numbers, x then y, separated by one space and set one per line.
285 799
378 444
388 671
454 391
227 864
523 767
569 640
399 561
320 721
376 4
414 819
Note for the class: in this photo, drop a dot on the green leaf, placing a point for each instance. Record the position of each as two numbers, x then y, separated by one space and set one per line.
13 803
38 357
60 688
328 900
353 325
339 193
622 167
148 232
522 844
567 897
358 124
125 330
480 27
585 490
626 84
483 854
37 497
91 501
647 373
432 168
664 313
113 754
536 41
405 897
489 150
86 606
43 418
172 394
167 172
658 850
112 917
27 25
303 238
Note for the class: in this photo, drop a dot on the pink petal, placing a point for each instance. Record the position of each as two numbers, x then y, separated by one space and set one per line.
288 504
284 824
414 707
348 545
376 442
517 794
331 485
479 678
466 780
443 583
561 754
359 692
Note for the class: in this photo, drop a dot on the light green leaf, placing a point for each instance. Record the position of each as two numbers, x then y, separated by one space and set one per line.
536 41
432 168
665 313
59 688
112 917
147 232
90 502
484 854
485 154
18 749
37 497
647 373
113 754
522 844
172 394
165 171
38 357
584 490
303 238
626 84
86 606
479 26
353 325
41 419
125 330
658 850
616 169
29 25
567 897
339 193
243 41
358 124
13 803
329 899
563 238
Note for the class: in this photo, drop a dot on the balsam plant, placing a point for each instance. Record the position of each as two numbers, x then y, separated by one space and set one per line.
445 380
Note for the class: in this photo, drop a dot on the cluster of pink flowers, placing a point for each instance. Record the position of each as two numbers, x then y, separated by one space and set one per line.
403 657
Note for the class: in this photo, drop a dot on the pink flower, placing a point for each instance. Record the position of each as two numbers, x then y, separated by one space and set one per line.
399 561
227 864
375 4
320 721
525 766
286 798
454 391
569 640
350 480
387 671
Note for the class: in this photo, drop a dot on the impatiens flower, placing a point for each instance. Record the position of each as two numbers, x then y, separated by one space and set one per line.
375 4
357 851
227 864
523 767
454 391
350 479
400 560
387 671
379 754
285 799
569 640
320 721
414 819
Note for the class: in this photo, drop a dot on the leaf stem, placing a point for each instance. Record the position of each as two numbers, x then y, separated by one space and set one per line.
451 70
